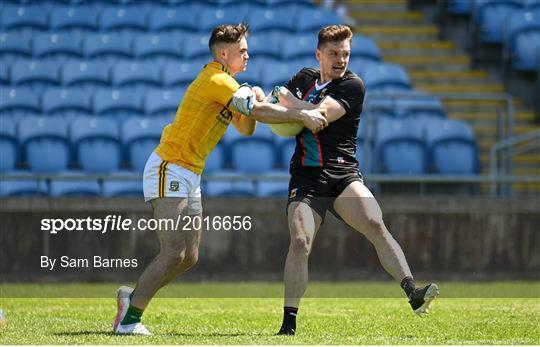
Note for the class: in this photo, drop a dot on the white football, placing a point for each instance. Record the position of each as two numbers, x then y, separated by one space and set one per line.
286 129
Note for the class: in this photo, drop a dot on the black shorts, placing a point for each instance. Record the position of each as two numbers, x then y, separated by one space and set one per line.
320 187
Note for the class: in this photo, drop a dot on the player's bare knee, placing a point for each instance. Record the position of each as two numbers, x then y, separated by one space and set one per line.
300 245
191 257
375 227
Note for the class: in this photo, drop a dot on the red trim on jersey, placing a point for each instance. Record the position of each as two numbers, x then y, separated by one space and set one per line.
320 149
303 150
301 138
309 91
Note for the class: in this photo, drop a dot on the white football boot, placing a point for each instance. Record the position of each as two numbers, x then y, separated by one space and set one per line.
122 305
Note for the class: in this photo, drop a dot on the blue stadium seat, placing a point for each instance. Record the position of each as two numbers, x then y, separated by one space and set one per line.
108 47
74 18
315 18
270 18
164 47
181 74
136 75
425 106
173 18
522 40
132 18
264 45
35 74
490 15
452 147
30 186
161 102
21 17
364 47
9 146
196 46
140 136
531 5
360 65
4 75
18 102
298 46
236 186
285 152
85 74
230 135
210 16
116 188
73 184
216 160
14 46
57 46
386 77
252 155
279 74
400 147
121 104
66 102
45 143
460 6
96 142
300 63
381 107
275 187
252 75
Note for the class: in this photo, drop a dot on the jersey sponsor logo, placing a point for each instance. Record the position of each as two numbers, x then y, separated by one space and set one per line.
174 186
293 193
225 116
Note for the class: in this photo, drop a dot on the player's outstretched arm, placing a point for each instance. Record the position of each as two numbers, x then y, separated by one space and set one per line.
334 110
244 124
245 102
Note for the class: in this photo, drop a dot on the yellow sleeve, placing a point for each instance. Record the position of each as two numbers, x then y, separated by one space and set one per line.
222 88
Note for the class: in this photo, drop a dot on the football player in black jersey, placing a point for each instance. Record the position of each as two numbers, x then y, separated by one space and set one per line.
325 175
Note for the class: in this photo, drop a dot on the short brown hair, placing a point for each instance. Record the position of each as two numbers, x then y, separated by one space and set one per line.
228 33
334 33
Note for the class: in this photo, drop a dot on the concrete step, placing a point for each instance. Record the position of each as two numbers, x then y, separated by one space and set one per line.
454 62
448 77
491 128
476 104
377 6
460 88
427 47
386 17
524 188
399 32
520 117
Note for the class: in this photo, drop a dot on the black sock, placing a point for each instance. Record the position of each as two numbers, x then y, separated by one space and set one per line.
408 286
289 317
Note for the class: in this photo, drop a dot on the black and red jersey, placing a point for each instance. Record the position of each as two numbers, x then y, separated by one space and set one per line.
335 146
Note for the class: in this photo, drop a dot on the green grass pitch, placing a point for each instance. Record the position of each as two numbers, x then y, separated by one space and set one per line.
332 313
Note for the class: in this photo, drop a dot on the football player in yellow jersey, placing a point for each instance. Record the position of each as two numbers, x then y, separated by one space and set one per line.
172 174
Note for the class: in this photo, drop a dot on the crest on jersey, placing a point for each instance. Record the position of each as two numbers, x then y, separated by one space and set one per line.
323 93
174 186
293 193
298 93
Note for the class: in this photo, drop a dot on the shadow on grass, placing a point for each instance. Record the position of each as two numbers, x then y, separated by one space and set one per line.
110 333
87 333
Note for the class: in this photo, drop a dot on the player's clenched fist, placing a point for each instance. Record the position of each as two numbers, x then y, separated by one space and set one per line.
315 120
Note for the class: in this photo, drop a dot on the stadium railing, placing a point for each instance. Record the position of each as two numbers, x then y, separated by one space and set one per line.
506 149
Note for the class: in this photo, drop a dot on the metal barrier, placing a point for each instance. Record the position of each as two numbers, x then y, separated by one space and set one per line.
509 148
500 156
